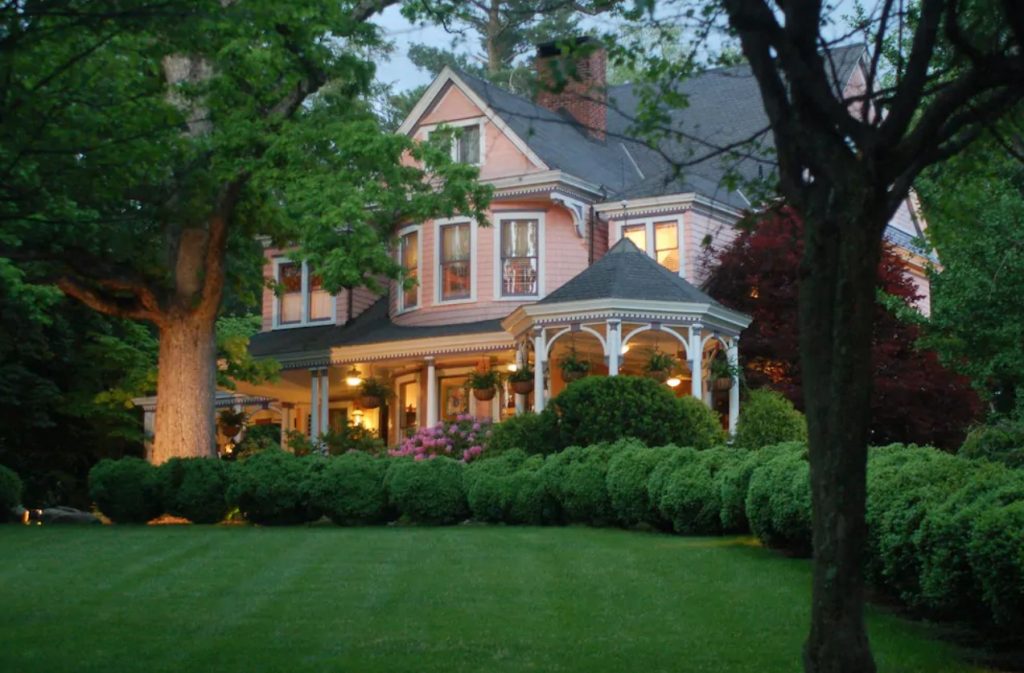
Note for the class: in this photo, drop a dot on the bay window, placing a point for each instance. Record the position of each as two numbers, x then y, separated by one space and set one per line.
302 299
409 258
455 261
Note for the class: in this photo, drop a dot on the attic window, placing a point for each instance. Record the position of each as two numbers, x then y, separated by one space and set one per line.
466 148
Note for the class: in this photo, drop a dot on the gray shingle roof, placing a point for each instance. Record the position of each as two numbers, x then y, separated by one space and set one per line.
371 326
626 272
724 107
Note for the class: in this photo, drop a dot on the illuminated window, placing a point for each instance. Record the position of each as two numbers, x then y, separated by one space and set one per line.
289 277
409 258
636 233
520 262
455 261
666 245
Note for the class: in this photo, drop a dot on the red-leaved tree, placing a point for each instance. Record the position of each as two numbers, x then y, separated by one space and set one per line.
915 398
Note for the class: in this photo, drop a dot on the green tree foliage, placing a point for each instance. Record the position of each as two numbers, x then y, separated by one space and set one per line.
975 209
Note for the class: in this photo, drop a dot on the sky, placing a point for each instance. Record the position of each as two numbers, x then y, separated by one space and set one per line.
399 71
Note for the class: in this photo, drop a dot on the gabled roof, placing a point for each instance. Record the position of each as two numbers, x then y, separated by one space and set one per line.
724 108
626 272
371 326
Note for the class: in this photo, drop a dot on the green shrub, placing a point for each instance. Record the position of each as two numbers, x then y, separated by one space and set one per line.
529 501
691 498
948 586
996 552
576 479
352 438
489 498
428 491
766 418
733 480
350 489
779 503
126 490
195 488
676 458
628 473
607 408
903 487
10 493
528 432
999 442
271 488
500 465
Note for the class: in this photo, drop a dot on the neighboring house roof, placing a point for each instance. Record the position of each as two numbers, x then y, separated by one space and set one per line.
371 326
626 272
724 109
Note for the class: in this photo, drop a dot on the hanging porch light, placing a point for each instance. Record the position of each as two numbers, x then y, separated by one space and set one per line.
352 378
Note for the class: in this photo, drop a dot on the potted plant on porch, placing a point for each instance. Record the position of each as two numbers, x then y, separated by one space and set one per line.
660 366
522 380
484 384
231 421
722 374
573 366
373 392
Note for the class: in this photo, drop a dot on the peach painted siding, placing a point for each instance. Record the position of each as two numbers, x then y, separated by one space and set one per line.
600 238
565 255
699 227
500 157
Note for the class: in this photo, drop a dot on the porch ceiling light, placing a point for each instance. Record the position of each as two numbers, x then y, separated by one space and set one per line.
353 378
673 382
513 367
625 349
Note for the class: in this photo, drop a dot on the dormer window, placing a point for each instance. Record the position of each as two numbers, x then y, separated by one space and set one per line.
302 299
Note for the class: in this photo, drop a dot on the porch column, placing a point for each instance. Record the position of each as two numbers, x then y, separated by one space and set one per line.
539 362
696 361
613 338
520 363
325 402
148 430
431 392
286 422
732 354
314 403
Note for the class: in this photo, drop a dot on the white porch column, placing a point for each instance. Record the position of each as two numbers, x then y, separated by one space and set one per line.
325 401
314 403
696 361
540 349
613 339
520 363
732 354
149 431
431 392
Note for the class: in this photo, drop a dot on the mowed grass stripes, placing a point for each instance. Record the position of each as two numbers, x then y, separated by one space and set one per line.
467 598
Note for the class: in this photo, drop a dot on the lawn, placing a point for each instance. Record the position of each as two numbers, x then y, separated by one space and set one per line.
465 598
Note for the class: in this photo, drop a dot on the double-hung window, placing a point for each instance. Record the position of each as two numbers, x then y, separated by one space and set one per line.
409 258
467 140
302 299
520 257
456 261
659 238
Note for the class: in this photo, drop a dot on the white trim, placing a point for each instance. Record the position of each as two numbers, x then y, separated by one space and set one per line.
448 75
473 256
648 223
549 177
668 202
400 300
479 122
304 321
497 218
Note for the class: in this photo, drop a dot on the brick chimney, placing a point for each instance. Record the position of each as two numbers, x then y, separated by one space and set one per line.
571 77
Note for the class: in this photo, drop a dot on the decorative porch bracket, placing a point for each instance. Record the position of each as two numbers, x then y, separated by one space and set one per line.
577 208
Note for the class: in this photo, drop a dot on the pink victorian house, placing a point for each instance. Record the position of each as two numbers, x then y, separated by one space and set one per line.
593 247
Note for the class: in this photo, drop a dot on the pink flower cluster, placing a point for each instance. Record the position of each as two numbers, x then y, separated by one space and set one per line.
462 438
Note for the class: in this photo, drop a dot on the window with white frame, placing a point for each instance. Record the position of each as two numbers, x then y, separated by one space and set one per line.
302 299
466 140
455 261
659 238
409 258
519 265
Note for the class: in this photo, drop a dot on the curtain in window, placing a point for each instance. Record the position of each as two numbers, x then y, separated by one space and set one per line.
455 261
666 245
290 301
469 145
519 257
319 300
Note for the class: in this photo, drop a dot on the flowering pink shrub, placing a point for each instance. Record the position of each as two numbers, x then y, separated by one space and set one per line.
462 439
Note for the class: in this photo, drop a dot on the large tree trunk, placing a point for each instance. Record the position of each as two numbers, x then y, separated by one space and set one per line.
837 307
186 388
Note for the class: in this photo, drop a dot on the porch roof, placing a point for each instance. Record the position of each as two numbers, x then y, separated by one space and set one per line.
372 326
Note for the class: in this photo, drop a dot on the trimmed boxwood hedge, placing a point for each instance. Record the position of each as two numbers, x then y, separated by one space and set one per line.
428 491
779 502
10 493
272 487
126 490
350 491
767 418
195 488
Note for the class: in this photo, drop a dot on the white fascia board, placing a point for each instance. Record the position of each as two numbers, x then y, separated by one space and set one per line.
682 200
549 177
456 343
448 75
